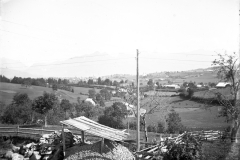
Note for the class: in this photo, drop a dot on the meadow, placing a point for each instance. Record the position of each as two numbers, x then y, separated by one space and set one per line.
8 90
193 114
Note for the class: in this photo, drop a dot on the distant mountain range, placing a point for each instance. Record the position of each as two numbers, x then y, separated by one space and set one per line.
91 65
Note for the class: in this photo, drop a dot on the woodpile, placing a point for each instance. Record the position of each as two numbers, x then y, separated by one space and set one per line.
49 147
111 150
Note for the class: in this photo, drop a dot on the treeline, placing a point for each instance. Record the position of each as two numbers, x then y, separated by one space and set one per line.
99 82
49 82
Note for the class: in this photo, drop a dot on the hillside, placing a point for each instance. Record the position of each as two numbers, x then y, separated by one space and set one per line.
8 90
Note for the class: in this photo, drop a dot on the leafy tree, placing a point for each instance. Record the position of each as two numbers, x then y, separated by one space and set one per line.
228 70
122 81
107 82
115 83
114 115
43 104
174 123
150 82
160 127
4 79
105 94
99 81
19 111
92 93
66 106
185 84
90 81
55 87
86 109
100 99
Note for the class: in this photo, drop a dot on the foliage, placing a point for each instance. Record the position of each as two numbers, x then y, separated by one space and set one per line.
105 94
55 87
4 79
65 106
151 128
44 103
87 109
114 115
160 127
228 71
19 111
92 93
174 123
187 148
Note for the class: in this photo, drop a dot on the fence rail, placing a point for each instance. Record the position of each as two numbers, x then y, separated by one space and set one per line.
35 132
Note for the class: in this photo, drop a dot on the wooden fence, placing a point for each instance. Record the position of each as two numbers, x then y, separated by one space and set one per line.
36 132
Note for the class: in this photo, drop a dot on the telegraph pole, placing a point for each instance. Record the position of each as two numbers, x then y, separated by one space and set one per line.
138 107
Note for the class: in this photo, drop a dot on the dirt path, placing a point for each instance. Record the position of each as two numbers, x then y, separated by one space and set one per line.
234 153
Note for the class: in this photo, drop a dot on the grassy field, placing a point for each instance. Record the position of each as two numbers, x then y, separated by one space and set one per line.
193 115
8 90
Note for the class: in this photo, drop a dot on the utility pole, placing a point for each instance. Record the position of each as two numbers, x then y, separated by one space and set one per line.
138 107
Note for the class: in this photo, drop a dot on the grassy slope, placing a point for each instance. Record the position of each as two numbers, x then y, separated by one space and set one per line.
35 91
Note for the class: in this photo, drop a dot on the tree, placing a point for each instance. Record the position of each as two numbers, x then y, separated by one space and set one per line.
108 82
55 87
105 94
174 123
114 115
99 81
115 83
90 81
43 104
66 106
100 99
86 109
152 104
228 71
19 111
150 82
92 93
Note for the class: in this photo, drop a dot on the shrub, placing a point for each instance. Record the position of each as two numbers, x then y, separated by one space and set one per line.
188 149
174 123
151 128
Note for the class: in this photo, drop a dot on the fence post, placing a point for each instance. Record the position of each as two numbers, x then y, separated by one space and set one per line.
83 138
42 131
17 129
63 140
102 145
160 137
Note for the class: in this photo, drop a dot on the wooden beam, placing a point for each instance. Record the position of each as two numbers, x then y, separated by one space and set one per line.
102 145
83 140
63 141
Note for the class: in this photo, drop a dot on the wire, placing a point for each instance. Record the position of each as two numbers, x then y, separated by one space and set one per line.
188 54
175 59
56 60
73 62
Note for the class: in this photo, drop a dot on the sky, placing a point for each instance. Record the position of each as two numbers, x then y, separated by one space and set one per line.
164 31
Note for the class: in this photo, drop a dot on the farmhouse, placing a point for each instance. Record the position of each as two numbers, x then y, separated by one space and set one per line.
172 86
91 101
133 110
223 85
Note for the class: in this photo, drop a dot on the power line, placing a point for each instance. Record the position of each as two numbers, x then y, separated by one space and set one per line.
174 59
76 62
187 54
56 60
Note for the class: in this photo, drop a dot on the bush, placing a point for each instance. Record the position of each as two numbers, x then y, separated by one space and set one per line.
174 123
151 128
160 127
188 149
114 115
